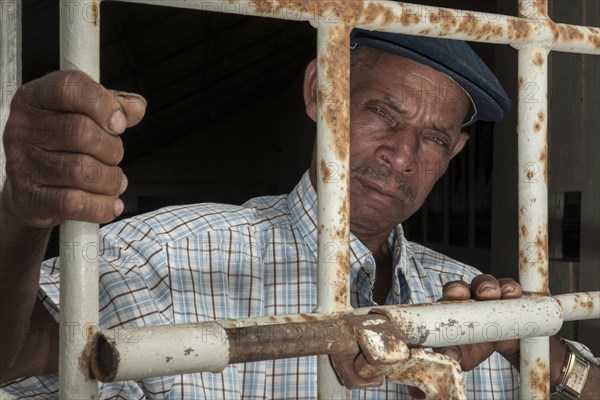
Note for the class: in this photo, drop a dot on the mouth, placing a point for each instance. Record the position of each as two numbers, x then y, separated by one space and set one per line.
380 190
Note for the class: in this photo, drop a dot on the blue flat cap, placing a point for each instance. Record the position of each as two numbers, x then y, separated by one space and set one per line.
454 58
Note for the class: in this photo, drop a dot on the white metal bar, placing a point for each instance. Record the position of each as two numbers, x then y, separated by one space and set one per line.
532 130
413 19
161 350
10 65
79 49
332 165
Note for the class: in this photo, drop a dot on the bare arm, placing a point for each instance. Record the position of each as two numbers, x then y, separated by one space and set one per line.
53 132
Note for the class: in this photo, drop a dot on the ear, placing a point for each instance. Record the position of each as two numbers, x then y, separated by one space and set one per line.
462 140
310 90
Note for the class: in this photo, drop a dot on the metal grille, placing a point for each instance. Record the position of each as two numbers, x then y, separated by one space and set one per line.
533 34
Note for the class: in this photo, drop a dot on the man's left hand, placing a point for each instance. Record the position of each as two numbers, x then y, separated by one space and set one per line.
483 287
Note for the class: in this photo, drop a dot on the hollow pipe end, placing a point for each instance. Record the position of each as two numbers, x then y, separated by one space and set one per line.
104 358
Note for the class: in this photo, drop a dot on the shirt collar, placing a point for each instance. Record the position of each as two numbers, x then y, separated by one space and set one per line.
302 203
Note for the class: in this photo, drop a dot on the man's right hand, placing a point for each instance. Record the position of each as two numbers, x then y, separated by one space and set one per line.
62 149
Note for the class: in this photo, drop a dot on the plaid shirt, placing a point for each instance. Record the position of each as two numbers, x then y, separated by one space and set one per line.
211 261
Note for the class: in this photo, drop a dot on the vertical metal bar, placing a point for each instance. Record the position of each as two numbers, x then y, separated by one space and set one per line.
80 49
333 154
10 64
533 197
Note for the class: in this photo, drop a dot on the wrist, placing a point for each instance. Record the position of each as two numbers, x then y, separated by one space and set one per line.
572 376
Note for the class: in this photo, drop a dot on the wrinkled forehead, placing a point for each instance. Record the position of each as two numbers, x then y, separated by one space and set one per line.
406 78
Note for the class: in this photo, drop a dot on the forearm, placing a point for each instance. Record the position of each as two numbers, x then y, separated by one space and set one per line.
22 249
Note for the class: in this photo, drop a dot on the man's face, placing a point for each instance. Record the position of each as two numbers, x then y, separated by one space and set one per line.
405 128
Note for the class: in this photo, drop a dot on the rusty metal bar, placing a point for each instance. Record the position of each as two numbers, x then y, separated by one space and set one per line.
79 247
413 19
173 349
333 187
532 130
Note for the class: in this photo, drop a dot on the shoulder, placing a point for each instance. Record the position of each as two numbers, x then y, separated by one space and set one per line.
176 223
446 267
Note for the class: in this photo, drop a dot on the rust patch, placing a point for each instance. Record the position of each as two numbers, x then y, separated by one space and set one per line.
522 211
377 11
541 242
524 231
409 18
90 332
538 60
470 25
522 260
325 172
537 127
544 156
334 12
308 317
288 319
585 302
569 33
544 161
530 175
541 116
539 376
518 29
594 39
95 13
425 31
446 19
521 82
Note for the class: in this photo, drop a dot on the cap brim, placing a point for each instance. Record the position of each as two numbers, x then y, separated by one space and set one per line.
452 57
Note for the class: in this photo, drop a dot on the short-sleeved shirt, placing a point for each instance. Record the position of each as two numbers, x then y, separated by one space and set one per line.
204 262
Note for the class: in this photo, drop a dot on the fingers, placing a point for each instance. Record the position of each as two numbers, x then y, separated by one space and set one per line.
456 290
75 92
71 204
468 356
510 288
62 148
485 287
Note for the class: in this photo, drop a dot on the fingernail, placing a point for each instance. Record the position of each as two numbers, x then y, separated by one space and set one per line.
508 289
124 183
126 97
118 207
486 287
118 122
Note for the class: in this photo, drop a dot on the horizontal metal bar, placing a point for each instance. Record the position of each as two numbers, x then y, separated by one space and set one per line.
413 19
159 350
578 306
210 346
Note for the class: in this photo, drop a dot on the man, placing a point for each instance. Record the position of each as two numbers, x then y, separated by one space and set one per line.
410 97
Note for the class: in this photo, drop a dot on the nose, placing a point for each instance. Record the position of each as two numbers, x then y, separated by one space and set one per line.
398 151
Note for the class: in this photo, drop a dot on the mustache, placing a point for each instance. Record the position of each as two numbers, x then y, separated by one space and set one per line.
384 176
